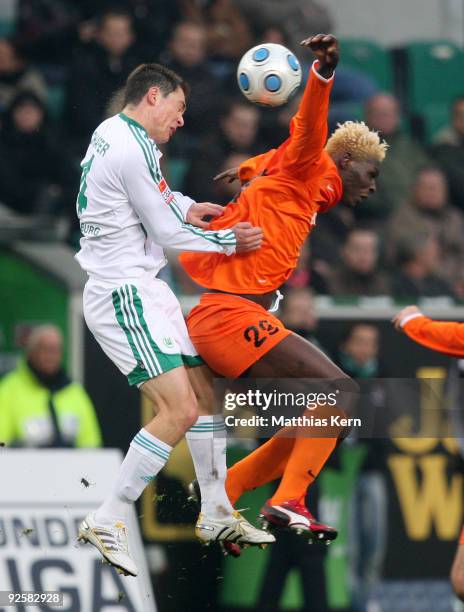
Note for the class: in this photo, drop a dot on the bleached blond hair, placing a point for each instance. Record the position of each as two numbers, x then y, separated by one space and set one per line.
356 138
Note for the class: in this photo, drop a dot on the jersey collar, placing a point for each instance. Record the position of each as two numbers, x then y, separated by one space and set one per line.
130 121
139 125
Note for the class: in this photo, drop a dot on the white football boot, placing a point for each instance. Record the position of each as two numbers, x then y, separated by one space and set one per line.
111 541
231 528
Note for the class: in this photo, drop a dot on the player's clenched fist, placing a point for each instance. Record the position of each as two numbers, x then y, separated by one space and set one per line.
325 48
249 238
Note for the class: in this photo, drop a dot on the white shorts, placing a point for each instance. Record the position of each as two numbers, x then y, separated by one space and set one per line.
140 326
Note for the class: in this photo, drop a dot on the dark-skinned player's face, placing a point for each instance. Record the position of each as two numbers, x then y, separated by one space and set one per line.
359 180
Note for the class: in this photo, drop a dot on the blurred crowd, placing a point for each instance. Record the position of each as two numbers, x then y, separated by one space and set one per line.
61 63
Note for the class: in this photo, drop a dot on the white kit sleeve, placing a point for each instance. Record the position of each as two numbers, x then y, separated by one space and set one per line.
159 210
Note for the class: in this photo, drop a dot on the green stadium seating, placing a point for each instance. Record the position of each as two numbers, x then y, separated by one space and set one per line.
370 58
7 27
436 117
176 169
55 101
435 72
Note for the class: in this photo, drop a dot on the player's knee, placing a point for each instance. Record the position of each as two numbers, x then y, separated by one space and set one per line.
190 417
348 391
187 413
348 384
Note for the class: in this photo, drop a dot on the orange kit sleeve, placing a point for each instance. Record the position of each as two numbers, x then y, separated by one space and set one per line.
254 166
442 336
309 128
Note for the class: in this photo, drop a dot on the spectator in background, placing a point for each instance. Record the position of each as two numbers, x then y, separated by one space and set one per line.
448 152
39 405
49 29
415 268
97 71
332 229
308 275
36 174
187 55
358 355
299 313
228 32
358 273
16 75
404 158
297 18
237 132
429 210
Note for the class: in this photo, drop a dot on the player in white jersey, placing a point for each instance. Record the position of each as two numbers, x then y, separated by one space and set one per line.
127 215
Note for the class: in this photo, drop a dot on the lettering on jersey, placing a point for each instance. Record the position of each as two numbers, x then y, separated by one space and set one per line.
88 229
167 194
313 219
99 143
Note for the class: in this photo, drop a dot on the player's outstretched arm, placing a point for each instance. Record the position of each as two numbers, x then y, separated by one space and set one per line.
309 126
442 336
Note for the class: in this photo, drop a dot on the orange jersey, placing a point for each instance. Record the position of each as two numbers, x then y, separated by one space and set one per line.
301 180
442 336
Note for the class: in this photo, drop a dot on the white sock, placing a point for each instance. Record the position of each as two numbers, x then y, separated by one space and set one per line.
207 444
145 458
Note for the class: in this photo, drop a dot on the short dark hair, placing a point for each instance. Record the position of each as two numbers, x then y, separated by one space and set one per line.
409 248
350 328
152 75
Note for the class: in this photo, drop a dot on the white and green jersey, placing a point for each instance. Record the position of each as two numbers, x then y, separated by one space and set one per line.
126 210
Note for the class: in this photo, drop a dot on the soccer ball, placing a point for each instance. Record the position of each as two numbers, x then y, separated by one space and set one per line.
269 74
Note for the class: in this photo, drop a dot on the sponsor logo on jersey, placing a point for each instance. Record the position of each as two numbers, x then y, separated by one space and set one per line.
167 194
168 342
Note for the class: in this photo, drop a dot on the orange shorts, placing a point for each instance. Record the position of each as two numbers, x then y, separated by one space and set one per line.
232 333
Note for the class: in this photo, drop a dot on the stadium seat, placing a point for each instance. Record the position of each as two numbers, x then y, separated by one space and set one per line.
370 58
435 117
7 27
434 73
55 101
176 169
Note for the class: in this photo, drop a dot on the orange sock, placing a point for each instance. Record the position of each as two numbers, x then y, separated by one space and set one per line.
306 460
265 464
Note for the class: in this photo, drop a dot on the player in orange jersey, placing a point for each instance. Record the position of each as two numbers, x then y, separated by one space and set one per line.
283 191
445 337
442 336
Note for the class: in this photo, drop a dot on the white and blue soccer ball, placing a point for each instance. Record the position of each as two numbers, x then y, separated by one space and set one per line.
269 74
